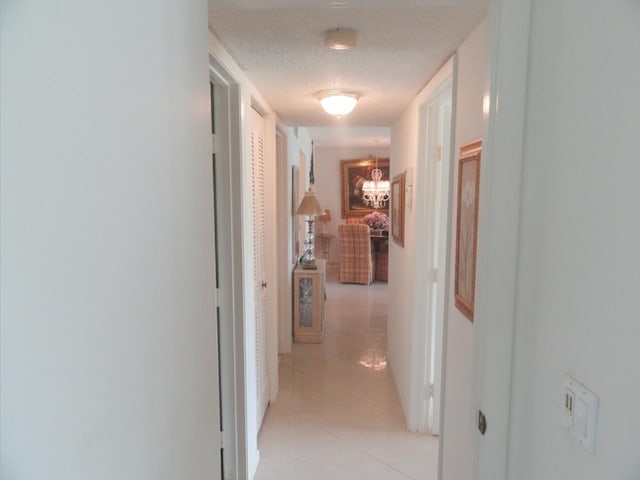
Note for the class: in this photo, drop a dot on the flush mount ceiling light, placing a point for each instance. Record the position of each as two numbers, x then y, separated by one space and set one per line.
338 102
340 38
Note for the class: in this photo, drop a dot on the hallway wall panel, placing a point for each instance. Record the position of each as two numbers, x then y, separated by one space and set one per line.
107 317
579 258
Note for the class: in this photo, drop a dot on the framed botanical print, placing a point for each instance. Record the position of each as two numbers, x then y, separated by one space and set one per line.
397 209
353 175
467 227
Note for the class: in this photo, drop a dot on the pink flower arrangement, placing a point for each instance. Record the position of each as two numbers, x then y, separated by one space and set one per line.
377 220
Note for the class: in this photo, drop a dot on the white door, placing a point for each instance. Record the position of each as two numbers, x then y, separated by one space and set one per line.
438 169
228 275
442 112
216 407
260 261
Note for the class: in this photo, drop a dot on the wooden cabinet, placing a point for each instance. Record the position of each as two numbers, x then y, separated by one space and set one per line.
308 303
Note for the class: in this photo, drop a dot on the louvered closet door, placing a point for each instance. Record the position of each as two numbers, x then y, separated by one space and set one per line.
260 261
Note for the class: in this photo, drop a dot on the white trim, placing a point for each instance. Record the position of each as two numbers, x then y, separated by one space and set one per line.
423 274
271 180
498 230
440 82
228 183
283 240
217 51
450 222
441 303
248 96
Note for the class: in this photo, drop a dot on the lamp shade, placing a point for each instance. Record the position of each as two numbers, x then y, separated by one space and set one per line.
309 205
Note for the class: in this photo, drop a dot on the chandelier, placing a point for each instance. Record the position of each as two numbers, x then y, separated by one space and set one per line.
375 192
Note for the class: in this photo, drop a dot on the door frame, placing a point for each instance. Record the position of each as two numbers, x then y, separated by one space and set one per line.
228 190
505 109
440 302
283 240
421 362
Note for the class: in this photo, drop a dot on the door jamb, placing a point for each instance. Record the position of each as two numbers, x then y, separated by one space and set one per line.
228 190
422 278
283 240
505 108
418 357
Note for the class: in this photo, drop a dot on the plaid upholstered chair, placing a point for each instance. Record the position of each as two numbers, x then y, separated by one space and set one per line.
356 263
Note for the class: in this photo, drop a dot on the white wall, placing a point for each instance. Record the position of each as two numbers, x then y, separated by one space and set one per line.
300 147
405 142
578 264
459 424
328 186
299 156
297 141
107 315
406 139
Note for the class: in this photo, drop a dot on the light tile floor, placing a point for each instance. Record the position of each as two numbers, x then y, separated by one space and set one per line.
337 415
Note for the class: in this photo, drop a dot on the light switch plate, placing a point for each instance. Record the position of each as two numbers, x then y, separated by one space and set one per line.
580 413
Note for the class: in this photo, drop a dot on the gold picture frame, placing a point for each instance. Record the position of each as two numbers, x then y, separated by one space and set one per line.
467 227
397 208
353 174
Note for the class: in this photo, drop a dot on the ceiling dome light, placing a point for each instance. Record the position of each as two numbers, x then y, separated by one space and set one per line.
340 38
338 102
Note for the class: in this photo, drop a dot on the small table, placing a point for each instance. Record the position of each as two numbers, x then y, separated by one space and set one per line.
325 243
308 303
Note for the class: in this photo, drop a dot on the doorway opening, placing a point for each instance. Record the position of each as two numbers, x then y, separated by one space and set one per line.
433 221
225 147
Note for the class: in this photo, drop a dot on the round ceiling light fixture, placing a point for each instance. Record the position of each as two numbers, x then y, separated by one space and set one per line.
338 102
340 38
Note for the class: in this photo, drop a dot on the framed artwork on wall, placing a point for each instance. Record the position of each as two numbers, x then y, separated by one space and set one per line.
397 208
467 227
353 175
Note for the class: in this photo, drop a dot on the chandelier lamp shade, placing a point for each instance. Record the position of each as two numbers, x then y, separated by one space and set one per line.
310 208
375 192
338 102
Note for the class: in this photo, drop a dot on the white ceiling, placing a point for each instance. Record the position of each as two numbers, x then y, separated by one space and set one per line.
402 43
345 136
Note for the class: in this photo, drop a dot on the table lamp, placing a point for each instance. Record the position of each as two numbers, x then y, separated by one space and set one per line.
310 208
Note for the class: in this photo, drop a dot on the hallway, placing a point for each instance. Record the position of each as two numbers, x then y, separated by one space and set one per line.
338 415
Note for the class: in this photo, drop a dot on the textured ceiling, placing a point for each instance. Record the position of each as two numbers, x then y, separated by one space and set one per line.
279 44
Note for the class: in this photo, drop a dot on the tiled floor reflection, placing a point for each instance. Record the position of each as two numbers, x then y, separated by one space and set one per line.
338 415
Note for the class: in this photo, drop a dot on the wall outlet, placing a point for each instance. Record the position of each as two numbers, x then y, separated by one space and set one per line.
580 413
